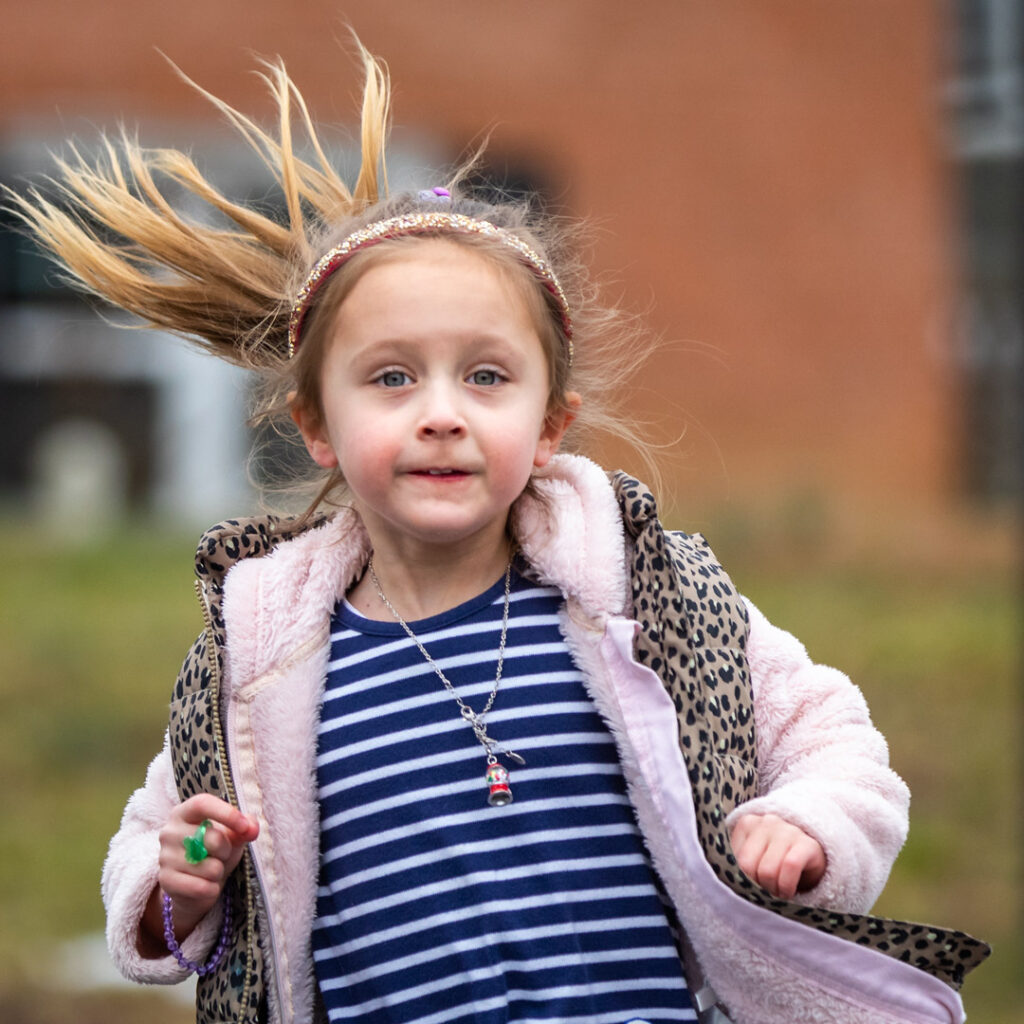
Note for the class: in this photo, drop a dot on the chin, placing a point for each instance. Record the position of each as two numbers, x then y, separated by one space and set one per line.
448 530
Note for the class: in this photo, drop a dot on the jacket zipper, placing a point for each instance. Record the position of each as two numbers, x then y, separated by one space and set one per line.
251 874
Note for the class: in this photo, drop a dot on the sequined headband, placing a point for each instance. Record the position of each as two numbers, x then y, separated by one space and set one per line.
421 224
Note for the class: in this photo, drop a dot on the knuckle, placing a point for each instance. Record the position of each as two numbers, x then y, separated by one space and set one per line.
198 889
214 869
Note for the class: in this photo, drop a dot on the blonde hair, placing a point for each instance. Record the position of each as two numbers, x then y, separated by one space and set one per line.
229 286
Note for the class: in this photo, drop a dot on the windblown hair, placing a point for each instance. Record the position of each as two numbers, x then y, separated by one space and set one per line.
226 279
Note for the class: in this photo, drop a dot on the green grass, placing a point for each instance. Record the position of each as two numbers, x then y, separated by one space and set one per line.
92 641
93 638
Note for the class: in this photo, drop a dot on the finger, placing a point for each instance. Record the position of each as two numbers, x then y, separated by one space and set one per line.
754 826
221 846
742 829
790 869
239 836
764 868
206 806
224 846
191 895
215 841
749 851
815 863
802 867
791 861
181 875
174 856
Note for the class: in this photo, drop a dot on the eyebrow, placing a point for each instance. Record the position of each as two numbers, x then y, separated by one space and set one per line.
494 346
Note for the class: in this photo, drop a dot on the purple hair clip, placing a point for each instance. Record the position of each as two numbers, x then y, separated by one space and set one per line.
436 195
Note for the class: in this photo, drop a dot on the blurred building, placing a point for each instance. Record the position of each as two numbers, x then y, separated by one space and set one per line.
834 263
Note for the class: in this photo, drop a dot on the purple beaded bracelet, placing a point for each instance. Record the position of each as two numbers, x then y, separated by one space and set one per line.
218 953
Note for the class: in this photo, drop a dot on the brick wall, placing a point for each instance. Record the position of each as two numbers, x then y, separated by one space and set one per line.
768 179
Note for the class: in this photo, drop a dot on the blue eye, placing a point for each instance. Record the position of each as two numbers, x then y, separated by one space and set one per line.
485 378
394 378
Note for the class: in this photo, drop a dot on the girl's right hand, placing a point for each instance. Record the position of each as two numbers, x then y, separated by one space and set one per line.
195 888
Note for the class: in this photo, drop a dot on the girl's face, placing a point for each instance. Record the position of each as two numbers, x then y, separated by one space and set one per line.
435 399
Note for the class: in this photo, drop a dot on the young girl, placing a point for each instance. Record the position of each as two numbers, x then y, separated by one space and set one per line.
474 739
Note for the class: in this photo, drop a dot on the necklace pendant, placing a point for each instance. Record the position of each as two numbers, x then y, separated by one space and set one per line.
497 781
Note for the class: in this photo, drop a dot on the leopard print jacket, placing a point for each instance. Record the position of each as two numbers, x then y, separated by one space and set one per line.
693 635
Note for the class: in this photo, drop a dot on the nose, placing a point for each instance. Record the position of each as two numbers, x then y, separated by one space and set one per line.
441 417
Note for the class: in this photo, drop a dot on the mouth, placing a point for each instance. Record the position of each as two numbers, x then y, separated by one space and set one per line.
441 473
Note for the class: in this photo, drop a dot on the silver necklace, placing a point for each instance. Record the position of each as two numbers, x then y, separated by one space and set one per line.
500 793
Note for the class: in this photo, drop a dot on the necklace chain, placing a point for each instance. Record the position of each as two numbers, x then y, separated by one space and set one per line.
475 720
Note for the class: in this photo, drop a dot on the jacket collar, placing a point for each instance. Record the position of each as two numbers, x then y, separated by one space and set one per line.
570 531
568 527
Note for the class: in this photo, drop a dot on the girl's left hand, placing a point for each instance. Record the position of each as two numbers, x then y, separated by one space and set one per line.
778 856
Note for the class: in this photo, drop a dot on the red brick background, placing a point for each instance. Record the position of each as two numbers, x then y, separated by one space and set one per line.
769 179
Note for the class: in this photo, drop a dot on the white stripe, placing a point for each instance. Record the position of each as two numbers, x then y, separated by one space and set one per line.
450 822
451 724
470 1011
329 722
595 988
433 760
533 934
479 910
544 963
640 1013
371 680
415 796
398 996
395 867
576 865
458 629
494 971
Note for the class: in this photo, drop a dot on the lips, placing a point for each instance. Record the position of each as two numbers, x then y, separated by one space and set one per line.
440 473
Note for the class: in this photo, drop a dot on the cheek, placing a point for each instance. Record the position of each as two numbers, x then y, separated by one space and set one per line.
516 450
366 457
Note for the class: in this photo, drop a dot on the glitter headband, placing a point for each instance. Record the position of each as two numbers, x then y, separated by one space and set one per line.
421 224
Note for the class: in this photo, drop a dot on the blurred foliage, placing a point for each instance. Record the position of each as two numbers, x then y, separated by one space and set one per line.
93 637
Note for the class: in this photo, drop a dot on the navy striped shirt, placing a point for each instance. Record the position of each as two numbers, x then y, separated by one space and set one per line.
434 907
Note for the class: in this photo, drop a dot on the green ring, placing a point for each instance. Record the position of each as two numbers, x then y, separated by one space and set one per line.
195 846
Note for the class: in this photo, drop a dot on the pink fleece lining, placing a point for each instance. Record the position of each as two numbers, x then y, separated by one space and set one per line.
848 970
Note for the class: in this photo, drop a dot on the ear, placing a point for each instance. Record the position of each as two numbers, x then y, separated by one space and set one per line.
310 425
555 426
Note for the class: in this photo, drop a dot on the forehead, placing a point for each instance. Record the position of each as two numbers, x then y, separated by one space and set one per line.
434 279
